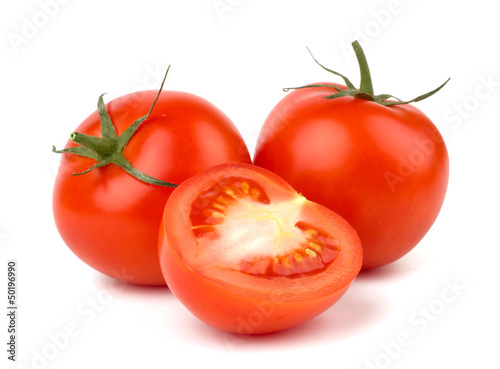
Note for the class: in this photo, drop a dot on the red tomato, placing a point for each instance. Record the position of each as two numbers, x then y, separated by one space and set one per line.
383 168
245 253
110 219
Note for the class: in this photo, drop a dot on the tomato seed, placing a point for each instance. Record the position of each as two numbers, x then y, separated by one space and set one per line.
218 206
245 187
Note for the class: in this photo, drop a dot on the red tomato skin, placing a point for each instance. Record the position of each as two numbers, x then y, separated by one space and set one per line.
255 309
110 219
384 169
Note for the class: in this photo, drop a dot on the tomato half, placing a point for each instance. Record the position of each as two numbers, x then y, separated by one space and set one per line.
110 219
382 168
245 253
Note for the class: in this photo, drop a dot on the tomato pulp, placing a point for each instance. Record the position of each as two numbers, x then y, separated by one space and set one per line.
245 253
110 219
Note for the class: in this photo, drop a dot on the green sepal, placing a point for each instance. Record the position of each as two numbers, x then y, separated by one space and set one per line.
108 149
381 98
365 90
78 150
348 92
286 89
100 164
126 166
418 98
107 127
348 83
130 131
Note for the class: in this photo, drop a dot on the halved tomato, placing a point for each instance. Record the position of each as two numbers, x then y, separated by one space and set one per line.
245 253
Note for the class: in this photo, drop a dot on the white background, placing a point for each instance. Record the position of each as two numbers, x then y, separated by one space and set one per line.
56 60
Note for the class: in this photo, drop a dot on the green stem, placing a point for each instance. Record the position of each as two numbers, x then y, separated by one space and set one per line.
366 86
102 146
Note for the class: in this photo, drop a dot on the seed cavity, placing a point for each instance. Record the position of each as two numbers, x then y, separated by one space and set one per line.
317 250
210 205
309 250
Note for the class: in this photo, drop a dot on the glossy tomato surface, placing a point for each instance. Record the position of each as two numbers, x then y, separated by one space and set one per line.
110 219
383 168
245 253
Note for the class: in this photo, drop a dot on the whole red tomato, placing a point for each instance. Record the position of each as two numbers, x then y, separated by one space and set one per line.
381 164
110 216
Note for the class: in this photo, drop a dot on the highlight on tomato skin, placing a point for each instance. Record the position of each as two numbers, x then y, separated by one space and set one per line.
247 254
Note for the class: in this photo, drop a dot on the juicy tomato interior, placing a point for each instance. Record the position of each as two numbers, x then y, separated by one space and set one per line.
235 220
241 234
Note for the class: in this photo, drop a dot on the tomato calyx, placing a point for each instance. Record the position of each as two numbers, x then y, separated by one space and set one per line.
108 149
365 90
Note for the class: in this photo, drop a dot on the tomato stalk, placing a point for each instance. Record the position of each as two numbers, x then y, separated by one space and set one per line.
108 149
365 90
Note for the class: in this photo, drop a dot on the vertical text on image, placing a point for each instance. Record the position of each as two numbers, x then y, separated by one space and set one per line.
12 316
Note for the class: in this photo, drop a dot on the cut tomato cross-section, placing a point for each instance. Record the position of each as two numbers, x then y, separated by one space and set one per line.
238 236
271 240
